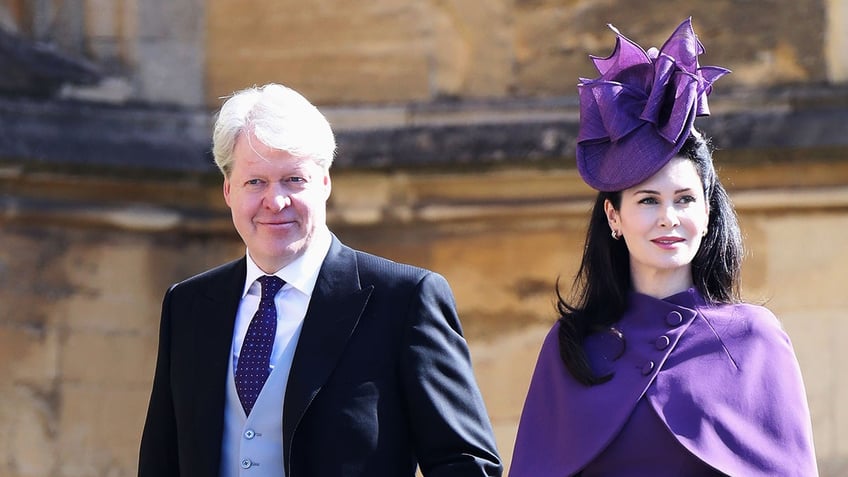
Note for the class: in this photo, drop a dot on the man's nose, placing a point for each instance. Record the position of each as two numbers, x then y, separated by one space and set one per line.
277 198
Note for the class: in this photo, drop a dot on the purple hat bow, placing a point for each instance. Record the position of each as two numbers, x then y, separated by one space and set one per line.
636 116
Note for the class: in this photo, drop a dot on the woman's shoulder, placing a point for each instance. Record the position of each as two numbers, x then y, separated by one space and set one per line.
745 323
745 315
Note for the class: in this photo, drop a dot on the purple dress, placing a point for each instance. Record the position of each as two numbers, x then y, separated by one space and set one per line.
696 390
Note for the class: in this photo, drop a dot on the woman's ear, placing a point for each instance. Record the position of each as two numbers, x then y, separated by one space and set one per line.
612 215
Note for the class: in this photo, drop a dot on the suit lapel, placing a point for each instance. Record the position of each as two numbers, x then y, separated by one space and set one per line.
215 310
334 310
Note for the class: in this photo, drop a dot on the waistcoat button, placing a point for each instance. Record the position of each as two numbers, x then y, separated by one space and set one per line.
662 342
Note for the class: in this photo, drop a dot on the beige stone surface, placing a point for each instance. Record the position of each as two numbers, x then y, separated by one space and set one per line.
806 260
389 51
81 285
27 437
99 427
816 338
504 365
472 47
79 306
803 284
836 40
110 298
332 51
78 334
191 52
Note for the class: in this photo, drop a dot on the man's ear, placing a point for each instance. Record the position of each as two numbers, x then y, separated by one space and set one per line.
227 191
328 186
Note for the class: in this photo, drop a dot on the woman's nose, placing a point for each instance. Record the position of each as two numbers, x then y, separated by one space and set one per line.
668 217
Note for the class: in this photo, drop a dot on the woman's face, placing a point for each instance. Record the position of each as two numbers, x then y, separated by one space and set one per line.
662 220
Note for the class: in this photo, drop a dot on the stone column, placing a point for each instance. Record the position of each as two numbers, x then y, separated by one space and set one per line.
836 41
169 53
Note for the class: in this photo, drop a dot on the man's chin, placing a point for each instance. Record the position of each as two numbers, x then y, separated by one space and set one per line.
287 253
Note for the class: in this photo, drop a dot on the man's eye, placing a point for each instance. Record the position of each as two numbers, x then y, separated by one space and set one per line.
253 182
297 180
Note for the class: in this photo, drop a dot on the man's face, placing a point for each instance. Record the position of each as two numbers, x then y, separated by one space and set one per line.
277 201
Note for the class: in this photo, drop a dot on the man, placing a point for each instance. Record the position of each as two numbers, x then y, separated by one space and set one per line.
306 358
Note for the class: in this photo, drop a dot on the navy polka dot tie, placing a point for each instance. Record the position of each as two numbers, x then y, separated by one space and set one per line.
254 360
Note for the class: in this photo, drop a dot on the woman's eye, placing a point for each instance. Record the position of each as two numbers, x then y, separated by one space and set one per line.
648 200
686 199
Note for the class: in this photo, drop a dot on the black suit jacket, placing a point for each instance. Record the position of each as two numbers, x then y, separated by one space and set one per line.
381 378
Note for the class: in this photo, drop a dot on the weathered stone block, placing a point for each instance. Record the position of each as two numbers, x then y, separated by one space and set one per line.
97 359
331 52
99 430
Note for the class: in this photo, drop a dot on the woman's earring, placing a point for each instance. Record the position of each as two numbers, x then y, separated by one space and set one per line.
706 229
615 235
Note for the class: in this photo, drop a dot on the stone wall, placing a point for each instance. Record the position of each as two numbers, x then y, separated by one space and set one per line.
456 123
192 52
421 50
82 285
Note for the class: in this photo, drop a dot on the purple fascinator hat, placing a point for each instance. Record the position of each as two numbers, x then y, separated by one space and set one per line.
636 116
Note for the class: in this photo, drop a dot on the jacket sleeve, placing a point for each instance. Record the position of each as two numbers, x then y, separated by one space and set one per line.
158 452
451 428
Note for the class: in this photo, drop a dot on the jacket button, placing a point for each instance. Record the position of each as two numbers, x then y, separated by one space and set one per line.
246 463
249 434
674 318
647 368
662 342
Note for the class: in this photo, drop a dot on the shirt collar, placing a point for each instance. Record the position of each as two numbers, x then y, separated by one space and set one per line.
300 274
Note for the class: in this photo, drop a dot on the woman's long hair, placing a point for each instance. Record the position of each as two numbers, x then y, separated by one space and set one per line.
603 280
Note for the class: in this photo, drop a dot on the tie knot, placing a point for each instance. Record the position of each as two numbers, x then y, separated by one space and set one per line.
270 286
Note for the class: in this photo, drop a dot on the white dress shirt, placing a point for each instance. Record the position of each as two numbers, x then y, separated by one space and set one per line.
291 302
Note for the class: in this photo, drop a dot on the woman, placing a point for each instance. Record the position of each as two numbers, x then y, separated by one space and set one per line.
656 367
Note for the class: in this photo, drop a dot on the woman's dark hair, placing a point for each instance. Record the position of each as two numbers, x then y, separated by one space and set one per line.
599 294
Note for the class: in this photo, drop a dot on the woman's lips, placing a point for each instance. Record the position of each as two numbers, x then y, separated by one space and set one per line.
667 242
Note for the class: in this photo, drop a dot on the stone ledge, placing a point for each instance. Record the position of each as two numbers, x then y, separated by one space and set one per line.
96 138
89 138
160 219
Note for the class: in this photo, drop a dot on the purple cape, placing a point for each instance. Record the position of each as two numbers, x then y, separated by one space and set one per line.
723 379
